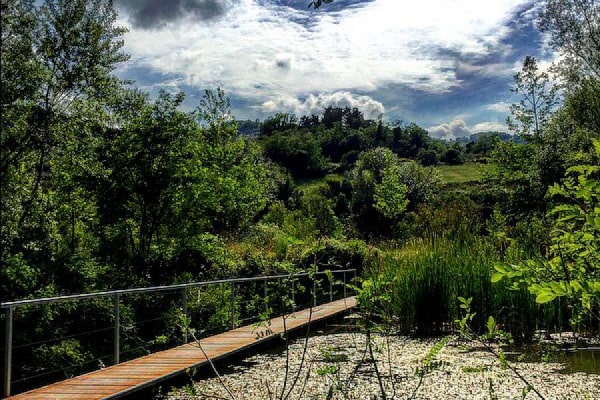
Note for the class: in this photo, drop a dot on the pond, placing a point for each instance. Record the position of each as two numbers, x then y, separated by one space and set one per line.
580 359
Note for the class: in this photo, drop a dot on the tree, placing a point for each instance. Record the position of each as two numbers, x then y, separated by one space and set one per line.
367 175
574 29
56 76
583 105
427 157
297 150
453 156
422 183
278 123
484 144
309 122
231 173
331 115
418 138
570 269
390 194
538 100
353 118
172 177
514 174
143 181
383 187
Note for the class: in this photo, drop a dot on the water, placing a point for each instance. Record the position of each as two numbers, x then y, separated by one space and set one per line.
583 359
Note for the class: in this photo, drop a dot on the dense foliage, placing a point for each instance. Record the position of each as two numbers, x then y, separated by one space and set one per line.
104 187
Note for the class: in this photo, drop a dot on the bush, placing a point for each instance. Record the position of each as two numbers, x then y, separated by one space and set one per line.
453 157
338 254
319 207
427 158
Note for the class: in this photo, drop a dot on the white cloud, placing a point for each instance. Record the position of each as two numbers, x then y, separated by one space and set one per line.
314 104
259 51
500 107
489 126
456 128
459 128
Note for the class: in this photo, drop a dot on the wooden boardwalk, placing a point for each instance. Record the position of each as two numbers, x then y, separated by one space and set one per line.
126 378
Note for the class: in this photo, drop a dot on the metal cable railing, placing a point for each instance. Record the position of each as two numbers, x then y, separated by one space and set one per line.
237 307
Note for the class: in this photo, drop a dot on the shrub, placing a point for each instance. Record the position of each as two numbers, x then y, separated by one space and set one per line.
453 157
427 157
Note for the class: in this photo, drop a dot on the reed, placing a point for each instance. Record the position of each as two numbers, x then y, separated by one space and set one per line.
427 275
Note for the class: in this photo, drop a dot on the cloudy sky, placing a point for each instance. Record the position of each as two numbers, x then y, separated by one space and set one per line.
444 64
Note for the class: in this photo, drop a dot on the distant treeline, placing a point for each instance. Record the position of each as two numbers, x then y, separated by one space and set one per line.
312 145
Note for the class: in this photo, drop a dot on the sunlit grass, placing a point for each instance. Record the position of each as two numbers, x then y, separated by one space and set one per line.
468 172
311 185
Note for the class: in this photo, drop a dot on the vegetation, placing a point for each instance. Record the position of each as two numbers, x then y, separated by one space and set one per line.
104 187
469 172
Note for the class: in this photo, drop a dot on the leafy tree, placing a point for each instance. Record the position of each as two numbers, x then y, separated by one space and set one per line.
143 181
571 267
309 122
417 138
583 105
390 194
574 29
57 63
427 157
538 100
515 176
483 145
365 177
422 183
278 123
331 115
231 168
320 208
353 118
170 180
297 150
453 156
383 187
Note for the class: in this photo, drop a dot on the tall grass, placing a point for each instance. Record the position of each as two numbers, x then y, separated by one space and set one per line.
428 275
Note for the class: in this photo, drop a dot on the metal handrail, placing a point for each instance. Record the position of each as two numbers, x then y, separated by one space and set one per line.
26 302
10 306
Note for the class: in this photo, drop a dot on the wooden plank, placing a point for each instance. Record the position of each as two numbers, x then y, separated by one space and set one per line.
93 390
125 378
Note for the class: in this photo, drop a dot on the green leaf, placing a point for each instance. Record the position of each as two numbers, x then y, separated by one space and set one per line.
491 326
497 277
545 296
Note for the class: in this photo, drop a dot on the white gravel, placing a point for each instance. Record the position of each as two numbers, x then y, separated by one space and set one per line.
463 371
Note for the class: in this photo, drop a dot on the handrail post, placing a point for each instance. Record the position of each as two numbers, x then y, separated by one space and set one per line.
345 284
293 295
116 332
185 315
8 351
282 299
331 289
314 291
232 305
266 298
